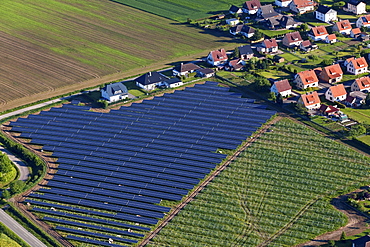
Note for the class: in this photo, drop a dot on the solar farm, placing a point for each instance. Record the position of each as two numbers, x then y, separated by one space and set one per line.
115 169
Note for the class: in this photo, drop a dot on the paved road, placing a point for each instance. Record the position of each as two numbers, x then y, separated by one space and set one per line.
20 230
22 167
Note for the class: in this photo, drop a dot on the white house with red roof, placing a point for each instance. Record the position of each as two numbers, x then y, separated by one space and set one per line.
251 7
355 32
328 110
318 33
343 27
306 79
292 39
302 6
356 66
361 84
268 46
363 21
331 38
336 93
235 65
217 57
331 74
310 100
281 87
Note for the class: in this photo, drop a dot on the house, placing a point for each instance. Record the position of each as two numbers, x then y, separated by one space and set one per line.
206 72
328 110
318 33
282 3
331 74
292 39
310 100
361 242
114 92
356 66
217 57
232 22
325 14
281 87
235 10
235 65
307 46
251 7
150 80
364 36
172 83
268 46
336 93
245 52
331 38
243 29
184 69
281 22
267 11
302 6
355 98
343 27
363 21
355 33
306 79
355 6
361 84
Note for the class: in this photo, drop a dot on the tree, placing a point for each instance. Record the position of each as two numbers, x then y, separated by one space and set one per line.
357 130
272 96
303 27
279 99
236 52
331 243
5 163
6 194
343 236
16 186
257 35
367 100
327 62
262 84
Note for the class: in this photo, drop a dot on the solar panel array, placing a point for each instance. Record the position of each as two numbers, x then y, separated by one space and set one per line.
115 168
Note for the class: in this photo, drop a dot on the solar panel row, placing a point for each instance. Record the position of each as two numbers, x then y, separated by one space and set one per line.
92 241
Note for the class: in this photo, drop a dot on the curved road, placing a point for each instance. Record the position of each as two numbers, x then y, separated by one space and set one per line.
23 169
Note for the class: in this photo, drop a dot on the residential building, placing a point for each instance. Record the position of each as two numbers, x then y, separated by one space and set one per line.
343 27
363 21
306 46
282 87
235 65
282 3
251 7
150 80
245 52
325 14
267 11
302 6
184 69
235 10
306 79
292 39
232 22
318 33
355 98
217 57
356 66
328 110
243 29
206 72
331 74
172 83
356 7
361 84
268 46
364 36
281 22
336 93
331 38
114 92
355 32
310 100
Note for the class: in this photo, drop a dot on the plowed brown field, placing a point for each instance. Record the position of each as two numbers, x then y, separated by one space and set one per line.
49 47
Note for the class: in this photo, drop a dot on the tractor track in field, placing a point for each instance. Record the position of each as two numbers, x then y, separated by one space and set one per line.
199 188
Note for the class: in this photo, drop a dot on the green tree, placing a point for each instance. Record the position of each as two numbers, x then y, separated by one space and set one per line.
5 163
331 243
303 27
16 186
279 99
272 96
367 100
236 52
262 84
257 35
327 62
6 194
343 236
358 129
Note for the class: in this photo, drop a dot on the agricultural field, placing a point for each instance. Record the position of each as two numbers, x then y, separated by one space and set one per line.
7 242
57 46
277 193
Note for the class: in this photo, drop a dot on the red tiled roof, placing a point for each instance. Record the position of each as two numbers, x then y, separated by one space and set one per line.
269 43
303 3
337 90
310 98
236 64
306 43
308 77
282 85
333 71
253 4
219 55
356 30
343 25
332 37
319 30
293 37
328 109
363 82
365 19
358 63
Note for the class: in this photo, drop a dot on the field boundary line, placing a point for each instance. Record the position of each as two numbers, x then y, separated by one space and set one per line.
199 188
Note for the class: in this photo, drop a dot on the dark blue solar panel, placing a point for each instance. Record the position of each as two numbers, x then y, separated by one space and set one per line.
92 241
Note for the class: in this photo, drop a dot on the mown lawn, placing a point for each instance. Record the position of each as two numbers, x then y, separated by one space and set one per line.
365 139
359 115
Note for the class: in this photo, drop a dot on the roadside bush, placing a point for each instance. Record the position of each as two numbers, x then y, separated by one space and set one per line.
16 186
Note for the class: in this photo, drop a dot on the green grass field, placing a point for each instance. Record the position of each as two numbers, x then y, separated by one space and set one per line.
277 193
359 115
5 241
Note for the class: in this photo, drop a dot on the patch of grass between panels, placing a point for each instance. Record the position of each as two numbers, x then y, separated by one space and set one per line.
277 192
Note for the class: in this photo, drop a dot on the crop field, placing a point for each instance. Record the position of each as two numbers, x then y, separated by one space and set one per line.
277 193
56 46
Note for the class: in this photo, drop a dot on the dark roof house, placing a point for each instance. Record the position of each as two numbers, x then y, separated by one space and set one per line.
150 80
183 69
245 51
267 11
114 92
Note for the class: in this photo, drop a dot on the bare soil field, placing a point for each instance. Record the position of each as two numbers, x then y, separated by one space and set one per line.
57 46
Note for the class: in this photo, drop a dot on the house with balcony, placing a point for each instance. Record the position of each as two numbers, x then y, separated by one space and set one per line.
318 33
331 74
